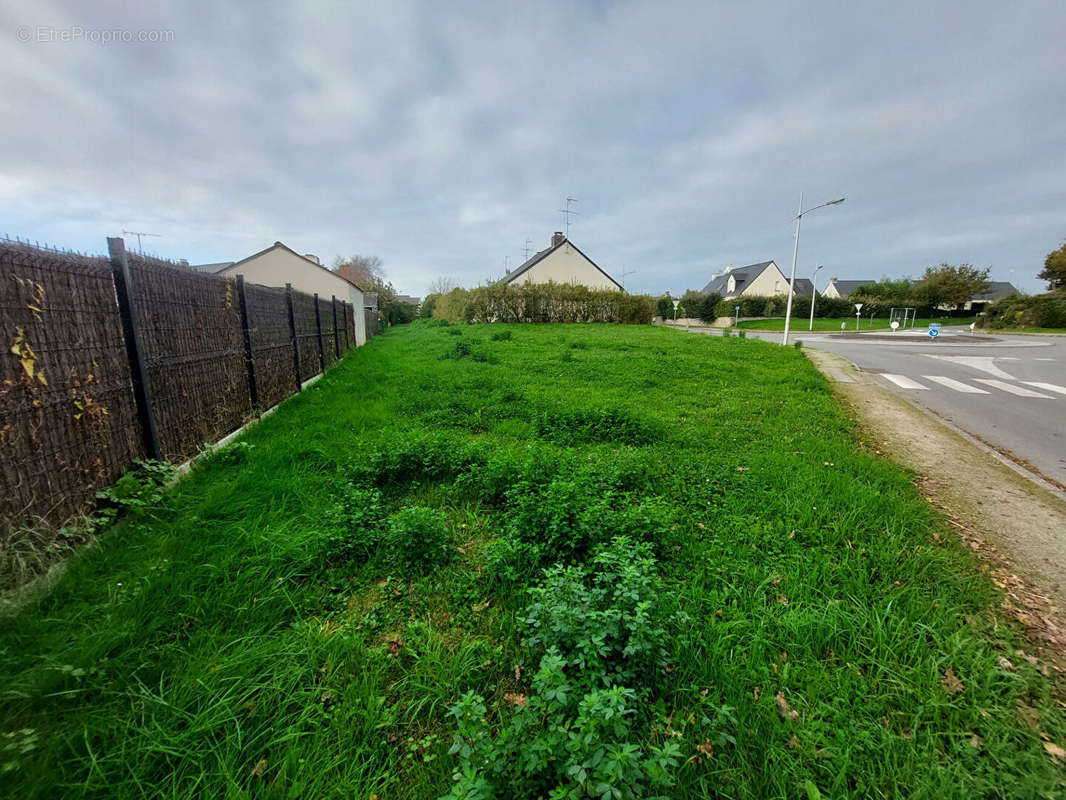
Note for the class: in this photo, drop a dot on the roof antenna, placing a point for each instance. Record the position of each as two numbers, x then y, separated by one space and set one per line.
527 247
139 234
626 272
567 212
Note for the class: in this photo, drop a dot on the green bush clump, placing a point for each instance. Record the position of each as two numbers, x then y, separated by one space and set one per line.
417 457
581 731
501 336
564 521
356 522
418 537
139 489
453 331
1036 311
592 425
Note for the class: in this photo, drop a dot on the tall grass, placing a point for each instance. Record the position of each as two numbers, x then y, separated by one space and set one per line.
263 632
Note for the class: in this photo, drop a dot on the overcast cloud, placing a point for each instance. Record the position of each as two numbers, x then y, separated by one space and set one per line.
439 136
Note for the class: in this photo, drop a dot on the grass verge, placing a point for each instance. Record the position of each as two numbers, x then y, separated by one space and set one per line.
582 559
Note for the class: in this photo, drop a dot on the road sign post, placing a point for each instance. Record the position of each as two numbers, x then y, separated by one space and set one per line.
676 304
934 330
736 319
858 308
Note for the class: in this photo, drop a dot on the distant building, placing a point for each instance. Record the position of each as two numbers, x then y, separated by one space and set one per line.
563 262
838 288
997 290
411 301
756 280
279 264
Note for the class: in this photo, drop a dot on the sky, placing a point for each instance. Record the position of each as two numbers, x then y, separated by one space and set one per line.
441 136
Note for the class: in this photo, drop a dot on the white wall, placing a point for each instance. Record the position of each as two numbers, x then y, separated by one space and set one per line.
567 265
770 282
278 266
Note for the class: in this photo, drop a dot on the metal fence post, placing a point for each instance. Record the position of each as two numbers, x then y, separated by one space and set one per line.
292 333
318 326
344 318
253 387
336 332
131 332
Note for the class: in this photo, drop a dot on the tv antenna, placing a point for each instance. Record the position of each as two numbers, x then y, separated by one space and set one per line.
567 212
527 247
139 234
506 265
626 272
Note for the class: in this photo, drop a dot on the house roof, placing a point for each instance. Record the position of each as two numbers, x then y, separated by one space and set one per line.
844 288
803 287
997 290
742 275
218 266
537 257
283 246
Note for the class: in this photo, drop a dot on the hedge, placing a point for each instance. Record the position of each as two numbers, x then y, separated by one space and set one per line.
545 302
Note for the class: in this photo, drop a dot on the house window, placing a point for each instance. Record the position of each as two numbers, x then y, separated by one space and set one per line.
777 287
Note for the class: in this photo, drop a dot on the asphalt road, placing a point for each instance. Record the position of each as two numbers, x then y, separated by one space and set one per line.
1010 392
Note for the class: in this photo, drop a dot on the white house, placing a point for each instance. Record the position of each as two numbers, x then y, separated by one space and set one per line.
279 264
755 280
563 262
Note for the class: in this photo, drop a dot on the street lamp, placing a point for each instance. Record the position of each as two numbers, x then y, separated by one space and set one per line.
795 255
814 293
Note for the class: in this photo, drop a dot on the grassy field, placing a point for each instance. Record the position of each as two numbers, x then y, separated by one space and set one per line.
829 324
533 561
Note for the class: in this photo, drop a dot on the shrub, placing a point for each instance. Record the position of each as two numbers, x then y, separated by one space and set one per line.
798 344
501 336
580 731
418 537
554 302
139 489
357 522
741 333
454 332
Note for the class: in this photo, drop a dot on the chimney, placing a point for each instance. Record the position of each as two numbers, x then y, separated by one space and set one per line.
557 237
312 257
832 280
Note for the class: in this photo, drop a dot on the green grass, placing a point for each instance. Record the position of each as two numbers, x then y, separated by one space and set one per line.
830 324
280 627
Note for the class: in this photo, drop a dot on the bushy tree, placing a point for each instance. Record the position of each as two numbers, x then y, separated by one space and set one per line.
887 292
1055 269
951 285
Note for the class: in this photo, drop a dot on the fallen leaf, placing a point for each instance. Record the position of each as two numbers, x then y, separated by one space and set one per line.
477 609
706 748
1055 751
394 646
742 469
515 699
517 672
784 709
1005 663
951 681
976 742
259 769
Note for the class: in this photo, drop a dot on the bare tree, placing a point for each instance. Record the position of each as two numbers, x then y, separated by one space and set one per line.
442 285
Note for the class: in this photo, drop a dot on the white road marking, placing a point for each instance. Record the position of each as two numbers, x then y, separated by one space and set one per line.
1008 358
1043 359
1021 391
1047 387
983 363
903 382
958 386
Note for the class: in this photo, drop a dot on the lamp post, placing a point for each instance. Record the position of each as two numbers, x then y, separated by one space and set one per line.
814 293
795 255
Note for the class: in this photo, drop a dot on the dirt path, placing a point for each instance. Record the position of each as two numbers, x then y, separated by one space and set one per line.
1017 527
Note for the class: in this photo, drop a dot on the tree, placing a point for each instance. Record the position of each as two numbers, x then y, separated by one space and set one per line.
1055 269
442 284
363 271
949 285
889 292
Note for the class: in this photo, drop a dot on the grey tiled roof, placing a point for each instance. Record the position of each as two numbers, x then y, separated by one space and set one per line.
743 276
997 290
845 288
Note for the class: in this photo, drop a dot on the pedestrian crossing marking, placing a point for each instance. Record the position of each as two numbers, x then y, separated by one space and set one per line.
951 383
1021 391
983 363
1047 387
903 382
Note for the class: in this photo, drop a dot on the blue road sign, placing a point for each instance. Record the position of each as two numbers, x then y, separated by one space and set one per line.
934 332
